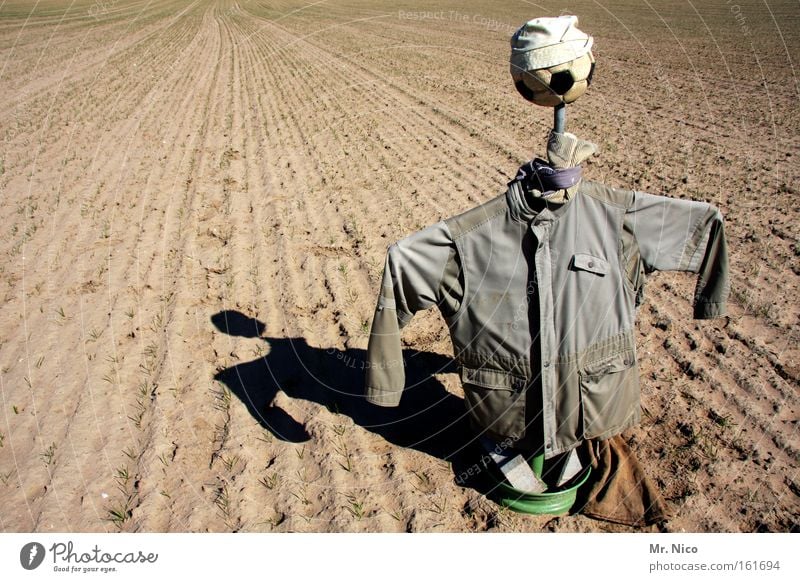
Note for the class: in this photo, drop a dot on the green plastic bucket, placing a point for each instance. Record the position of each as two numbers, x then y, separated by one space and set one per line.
549 502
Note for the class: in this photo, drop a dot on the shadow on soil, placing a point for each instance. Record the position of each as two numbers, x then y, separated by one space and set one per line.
429 419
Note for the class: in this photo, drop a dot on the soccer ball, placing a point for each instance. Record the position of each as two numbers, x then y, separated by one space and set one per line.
562 83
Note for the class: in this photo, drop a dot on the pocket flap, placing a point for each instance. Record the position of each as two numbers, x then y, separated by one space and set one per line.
590 263
609 365
494 379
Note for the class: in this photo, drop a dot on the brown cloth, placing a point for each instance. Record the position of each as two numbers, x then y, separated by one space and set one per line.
618 489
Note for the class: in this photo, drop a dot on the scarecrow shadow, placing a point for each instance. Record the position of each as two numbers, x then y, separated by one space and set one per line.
429 419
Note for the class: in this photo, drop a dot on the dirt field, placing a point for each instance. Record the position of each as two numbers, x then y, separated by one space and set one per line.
197 200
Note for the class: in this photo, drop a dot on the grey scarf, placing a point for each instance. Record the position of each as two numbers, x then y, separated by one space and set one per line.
538 175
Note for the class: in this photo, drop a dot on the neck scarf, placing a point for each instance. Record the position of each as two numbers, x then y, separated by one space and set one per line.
539 175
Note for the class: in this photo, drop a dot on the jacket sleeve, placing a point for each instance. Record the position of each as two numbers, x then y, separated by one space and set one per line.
684 235
420 271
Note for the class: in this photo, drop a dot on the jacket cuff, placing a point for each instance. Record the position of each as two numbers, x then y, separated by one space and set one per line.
710 310
387 398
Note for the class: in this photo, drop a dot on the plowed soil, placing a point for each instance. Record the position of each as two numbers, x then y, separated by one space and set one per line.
197 198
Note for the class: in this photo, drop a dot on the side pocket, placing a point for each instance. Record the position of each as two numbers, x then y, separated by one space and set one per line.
609 395
495 400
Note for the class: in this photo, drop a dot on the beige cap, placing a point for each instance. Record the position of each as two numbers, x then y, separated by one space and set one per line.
545 42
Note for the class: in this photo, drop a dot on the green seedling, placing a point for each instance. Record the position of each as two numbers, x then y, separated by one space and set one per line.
439 503
270 481
355 507
48 454
223 500
266 437
342 450
302 496
723 420
396 515
119 514
230 462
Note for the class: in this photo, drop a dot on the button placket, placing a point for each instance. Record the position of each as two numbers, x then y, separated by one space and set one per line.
547 332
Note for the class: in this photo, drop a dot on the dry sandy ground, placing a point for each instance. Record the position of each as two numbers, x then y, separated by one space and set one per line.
197 198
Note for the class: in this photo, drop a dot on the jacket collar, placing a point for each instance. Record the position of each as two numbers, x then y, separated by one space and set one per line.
522 210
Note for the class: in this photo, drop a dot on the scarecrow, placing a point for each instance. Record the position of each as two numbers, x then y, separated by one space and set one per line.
539 287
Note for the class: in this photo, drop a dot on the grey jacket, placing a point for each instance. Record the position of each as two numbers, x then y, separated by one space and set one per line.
540 299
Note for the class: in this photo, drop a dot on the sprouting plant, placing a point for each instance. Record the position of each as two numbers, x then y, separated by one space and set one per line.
231 462
439 503
122 475
424 483
708 447
302 494
341 449
222 398
265 437
355 507
723 420
118 514
270 481
396 515
4 477
223 501
48 454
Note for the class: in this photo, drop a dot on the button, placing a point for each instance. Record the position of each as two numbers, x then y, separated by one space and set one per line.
547 364
590 264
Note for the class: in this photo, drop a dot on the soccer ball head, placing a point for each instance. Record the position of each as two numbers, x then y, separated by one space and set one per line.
562 83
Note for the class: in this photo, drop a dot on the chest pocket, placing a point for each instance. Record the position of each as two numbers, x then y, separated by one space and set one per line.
590 264
495 400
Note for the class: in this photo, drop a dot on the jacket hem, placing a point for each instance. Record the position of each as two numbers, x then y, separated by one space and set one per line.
710 310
